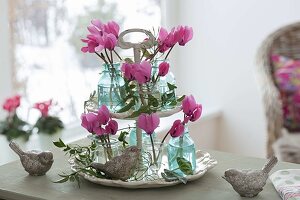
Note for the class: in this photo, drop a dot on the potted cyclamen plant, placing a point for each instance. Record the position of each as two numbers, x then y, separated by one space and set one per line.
48 126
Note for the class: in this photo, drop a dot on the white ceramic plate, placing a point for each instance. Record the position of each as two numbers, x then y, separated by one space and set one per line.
204 163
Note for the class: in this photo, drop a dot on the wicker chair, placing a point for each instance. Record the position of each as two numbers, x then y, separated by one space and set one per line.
285 41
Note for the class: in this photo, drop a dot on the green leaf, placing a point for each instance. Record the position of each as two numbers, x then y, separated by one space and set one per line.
171 86
185 166
153 101
128 60
127 107
59 143
169 175
146 53
143 109
180 99
63 180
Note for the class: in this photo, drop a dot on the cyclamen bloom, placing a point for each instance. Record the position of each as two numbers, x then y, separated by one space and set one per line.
163 69
43 107
183 34
11 104
177 129
148 122
143 72
102 36
165 39
129 70
191 109
94 123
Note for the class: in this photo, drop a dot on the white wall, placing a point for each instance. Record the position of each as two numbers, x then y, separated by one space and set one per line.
218 66
5 88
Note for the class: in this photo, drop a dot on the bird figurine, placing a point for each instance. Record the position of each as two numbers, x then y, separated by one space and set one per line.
248 182
35 162
120 167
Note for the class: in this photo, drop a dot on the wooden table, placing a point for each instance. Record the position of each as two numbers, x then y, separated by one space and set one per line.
15 183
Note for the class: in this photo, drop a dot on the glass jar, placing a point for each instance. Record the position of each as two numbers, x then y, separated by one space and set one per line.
111 87
183 147
149 94
153 156
105 150
163 84
145 137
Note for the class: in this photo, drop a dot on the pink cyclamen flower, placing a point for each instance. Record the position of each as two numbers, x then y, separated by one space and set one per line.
111 127
196 113
107 41
91 42
43 107
189 105
129 70
163 69
90 122
183 34
177 129
165 39
103 115
11 104
143 72
148 122
113 28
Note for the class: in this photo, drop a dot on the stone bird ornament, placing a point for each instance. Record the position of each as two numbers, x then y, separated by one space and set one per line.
120 167
36 163
248 182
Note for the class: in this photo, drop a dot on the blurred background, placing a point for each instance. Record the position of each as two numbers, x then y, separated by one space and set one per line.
40 59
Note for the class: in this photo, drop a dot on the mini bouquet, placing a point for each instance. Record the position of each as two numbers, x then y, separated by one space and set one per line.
13 127
141 89
46 123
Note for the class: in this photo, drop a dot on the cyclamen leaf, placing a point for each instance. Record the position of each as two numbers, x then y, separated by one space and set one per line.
180 99
127 107
185 166
171 86
59 143
172 176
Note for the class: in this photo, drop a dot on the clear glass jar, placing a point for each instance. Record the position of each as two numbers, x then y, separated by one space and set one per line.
183 147
149 94
153 156
163 83
105 150
111 87
145 137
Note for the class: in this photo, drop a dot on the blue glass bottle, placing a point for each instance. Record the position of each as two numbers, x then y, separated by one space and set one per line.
111 88
182 146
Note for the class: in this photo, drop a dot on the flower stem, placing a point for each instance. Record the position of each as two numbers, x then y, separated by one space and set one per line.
169 52
118 55
153 150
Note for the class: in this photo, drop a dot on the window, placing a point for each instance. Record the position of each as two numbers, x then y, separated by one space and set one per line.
45 38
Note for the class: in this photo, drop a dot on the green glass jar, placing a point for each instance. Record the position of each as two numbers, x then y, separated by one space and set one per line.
111 87
183 147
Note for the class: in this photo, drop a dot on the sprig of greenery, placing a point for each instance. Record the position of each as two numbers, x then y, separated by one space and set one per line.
83 156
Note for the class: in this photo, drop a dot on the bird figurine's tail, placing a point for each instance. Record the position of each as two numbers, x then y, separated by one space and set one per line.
16 148
270 164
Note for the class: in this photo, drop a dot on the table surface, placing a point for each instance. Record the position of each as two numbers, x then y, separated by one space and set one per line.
15 183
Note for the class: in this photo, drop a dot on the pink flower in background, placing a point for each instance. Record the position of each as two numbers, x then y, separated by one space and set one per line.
107 41
43 107
91 44
111 127
103 115
89 121
177 129
148 122
183 34
11 104
129 70
163 69
143 72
